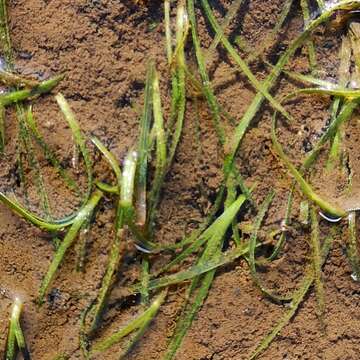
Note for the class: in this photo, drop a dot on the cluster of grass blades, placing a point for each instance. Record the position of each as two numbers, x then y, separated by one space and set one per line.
344 103
137 193
342 115
136 205
22 92
54 224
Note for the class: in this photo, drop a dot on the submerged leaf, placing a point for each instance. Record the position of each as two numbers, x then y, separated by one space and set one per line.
48 153
252 246
217 227
135 324
297 298
273 76
21 95
241 63
161 153
81 217
16 339
206 88
352 246
195 270
305 187
78 137
144 147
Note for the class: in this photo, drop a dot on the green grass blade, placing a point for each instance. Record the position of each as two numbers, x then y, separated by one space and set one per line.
231 13
329 208
145 278
195 270
211 252
78 138
271 35
34 163
20 154
21 95
107 281
48 153
11 350
161 153
5 36
349 94
179 88
272 77
352 246
177 104
349 44
20 339
137 336
175 91
110 158
344 79
188 316
280 243
16 339
309 43
230 198
241 63
308 79
241 183
304 212
321 4
60 223
218 226
335 152
11 343
128 181
140 332
13 80
17 208
144 148
107 188
15 96
168 35
97 309
182 30
197 232
124 212
207 90
83 242
82 216
345 114
252 246
297 299
137 323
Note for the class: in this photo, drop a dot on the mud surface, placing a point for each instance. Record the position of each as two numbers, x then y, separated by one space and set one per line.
103 47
